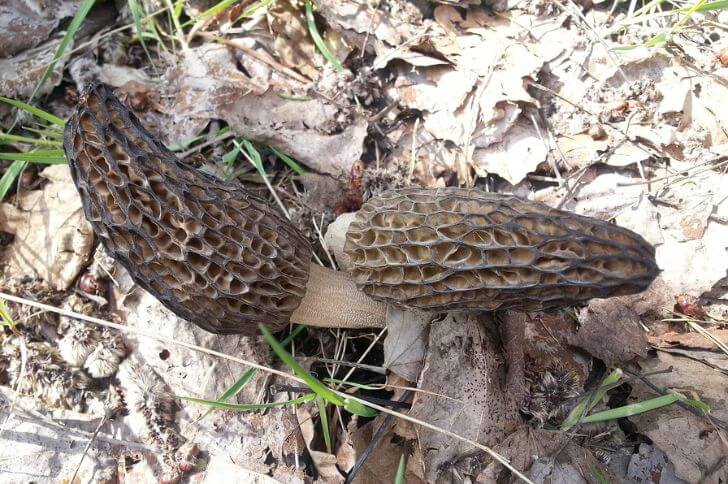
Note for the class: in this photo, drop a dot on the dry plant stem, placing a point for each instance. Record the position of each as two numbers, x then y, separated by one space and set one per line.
333 301
154 336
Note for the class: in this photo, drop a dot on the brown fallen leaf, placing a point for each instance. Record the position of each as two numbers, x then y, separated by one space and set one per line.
550 456
689 340
406 341
695 446
305 130
462 365
689 306
53 240
292 41
610 330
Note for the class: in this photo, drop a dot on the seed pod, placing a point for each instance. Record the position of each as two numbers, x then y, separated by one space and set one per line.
464 249
213 253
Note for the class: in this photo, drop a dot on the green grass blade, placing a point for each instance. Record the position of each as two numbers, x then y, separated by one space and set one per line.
51 132
315 385
289 97
178 5
288 161
248 12
5 318
401 468
634 408
317 40
136 14
324 423
34 111
6 138
242 381
181 145
185 143
598 475
357 408
698 404
12 172
248 406
360 386
583 407
211 11
72 28
254 155
49 157
720 5
228 160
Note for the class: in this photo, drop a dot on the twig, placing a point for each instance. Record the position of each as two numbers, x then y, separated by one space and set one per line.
685 177
210 142
258 56
547 144
375 440
362 366
88 446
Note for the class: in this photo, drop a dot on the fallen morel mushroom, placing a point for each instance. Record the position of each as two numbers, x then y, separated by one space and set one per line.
224 259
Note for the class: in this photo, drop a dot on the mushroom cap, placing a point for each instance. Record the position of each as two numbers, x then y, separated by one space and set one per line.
451 249
213 253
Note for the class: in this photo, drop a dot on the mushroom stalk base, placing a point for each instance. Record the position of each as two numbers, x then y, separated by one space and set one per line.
332 300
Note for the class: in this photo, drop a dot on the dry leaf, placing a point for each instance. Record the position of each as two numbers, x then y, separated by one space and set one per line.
222 469
381 465
292 41
690 340
462 366
520 152
245 437
53 240
650 464
695 447
206 80
19 74
406 341
305 130
610 330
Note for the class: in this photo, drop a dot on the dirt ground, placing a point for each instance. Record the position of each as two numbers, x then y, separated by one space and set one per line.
612 109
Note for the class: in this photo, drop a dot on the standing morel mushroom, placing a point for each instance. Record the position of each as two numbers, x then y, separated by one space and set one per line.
224 259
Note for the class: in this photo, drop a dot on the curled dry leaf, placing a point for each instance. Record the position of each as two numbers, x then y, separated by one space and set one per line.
206 80
53 240
25 24
19 74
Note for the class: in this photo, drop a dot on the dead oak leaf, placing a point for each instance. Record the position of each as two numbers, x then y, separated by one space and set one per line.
53 240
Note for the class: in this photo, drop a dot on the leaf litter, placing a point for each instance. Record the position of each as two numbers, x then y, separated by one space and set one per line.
529 99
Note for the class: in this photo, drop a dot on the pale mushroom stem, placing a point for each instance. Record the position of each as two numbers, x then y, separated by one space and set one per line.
332 300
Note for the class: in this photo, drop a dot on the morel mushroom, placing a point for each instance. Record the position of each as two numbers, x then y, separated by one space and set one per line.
463 249
222 258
